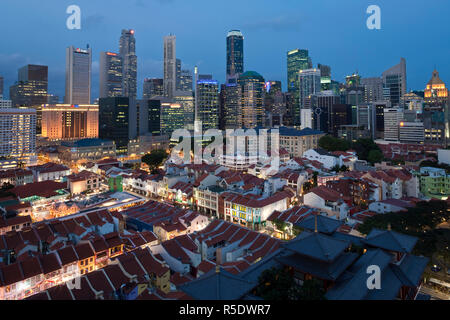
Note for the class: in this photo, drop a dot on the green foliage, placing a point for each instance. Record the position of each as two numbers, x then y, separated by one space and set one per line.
420 221
363 148
375 156
279 284
154 159
331 143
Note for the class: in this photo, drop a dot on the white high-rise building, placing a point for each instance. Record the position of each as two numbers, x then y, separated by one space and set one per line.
392 119
127 47
18 134
170 66
78 75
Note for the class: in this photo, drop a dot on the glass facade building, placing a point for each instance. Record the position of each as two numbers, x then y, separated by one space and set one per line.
235 53
127 47
253 93
78 76
207 95
111 75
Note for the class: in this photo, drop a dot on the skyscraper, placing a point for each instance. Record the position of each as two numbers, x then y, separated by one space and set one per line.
207 99
308 84
170 66
394 82
373 89
253 87
18 134
110 75
296 60
127 51
31 90
78 75
118 121
235 53
232 104
325 76
153 88
435 92
185 81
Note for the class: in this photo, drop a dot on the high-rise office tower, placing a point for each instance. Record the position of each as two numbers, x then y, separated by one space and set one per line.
232 104
185 81
170 66
325 76
31 90
172 117
186 100
373 89
252 84
110 75
178 73
69 122
118 121
308 84
153 87
127 51
296 60
353 80
18 134
78 75
394 82
235 53
207 100
392 119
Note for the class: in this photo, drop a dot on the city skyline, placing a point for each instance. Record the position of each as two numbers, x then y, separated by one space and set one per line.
268 58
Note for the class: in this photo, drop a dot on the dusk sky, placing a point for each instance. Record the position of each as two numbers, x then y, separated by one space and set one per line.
334 32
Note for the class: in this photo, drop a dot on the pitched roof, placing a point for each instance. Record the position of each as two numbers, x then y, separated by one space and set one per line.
324 224
391 240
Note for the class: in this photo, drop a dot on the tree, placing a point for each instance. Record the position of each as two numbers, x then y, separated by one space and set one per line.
312 290
154 159
375 156
331 143
276 284
363 148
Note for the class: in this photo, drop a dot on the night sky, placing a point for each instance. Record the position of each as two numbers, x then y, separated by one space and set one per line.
334 31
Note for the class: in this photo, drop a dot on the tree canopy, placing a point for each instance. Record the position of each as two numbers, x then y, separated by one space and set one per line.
331 143
154 159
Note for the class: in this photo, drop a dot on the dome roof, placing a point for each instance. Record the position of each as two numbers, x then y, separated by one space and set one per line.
435 79
251 75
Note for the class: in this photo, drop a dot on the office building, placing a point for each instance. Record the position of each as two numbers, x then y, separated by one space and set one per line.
325 77
392 119
411 132
172 117
31 90
373 89
253 91
111 75
5 103
412 101
232 104
186 100
118 121
153 88
127 51
185 81
436 92
78 75
394 83
308 84
296 60
207 100
170 68
154 116
18 135
70 122
235 53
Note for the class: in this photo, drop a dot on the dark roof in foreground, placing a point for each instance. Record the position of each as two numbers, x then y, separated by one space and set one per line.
218 286
391 240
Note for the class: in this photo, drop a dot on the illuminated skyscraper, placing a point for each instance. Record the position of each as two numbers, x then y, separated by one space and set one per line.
18 134
170 66
207 96
436 93
127 51
232 104
110 75
31 90
394 82
235 53
78 75
153 88
296 60
253 86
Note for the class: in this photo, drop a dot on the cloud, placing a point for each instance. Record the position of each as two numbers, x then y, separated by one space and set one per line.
278 24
